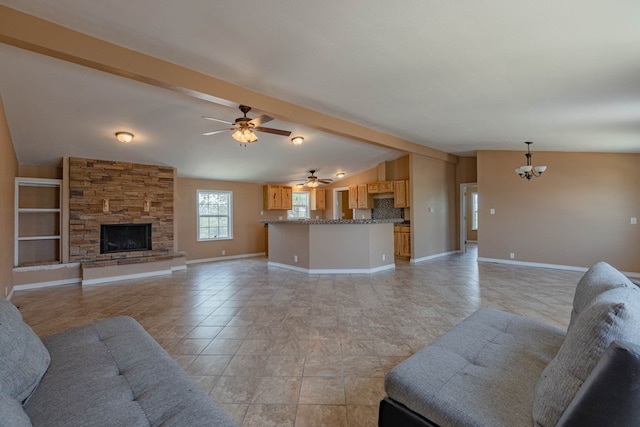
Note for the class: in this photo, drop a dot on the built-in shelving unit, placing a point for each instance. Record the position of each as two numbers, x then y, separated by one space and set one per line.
38 219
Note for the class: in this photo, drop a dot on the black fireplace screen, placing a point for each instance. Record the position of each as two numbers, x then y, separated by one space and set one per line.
125 237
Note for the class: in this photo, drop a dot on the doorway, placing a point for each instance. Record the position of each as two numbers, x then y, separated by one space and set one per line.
341 206
468 215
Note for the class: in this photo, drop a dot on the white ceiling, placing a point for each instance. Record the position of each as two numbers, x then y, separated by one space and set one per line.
456 76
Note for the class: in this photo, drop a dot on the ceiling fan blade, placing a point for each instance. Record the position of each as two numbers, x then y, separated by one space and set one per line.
260 120
213 132
274 131
217 120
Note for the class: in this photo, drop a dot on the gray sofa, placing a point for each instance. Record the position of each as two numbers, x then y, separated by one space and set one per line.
501 369
108 373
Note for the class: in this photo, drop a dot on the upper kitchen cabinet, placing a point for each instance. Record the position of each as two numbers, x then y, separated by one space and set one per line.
277 197
359 197
365 201
317 200
380 187
401 194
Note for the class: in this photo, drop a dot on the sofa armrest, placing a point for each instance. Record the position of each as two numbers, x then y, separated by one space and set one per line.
611 393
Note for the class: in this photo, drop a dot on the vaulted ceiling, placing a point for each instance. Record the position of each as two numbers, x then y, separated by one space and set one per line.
453 76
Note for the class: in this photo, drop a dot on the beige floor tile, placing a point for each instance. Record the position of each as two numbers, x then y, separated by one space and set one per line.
322 391
321 416
278 390
248 332
261 415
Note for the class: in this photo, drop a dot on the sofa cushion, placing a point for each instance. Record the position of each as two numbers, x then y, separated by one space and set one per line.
11 412
613 315
600 278
610 395
112 373
23 357
481 372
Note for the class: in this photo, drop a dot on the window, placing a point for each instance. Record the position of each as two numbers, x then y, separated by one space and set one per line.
215 212
300 205
474 210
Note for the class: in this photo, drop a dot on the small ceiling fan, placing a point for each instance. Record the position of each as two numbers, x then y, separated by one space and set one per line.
244 127
313 181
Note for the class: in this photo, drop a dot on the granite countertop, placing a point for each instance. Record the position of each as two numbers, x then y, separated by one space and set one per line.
332 221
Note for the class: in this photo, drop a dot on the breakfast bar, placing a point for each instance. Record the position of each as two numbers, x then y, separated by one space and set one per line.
332 246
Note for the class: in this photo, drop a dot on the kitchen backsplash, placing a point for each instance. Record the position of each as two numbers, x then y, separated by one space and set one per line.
383 209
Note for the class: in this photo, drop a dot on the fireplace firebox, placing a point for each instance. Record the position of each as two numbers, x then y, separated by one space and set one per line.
125 238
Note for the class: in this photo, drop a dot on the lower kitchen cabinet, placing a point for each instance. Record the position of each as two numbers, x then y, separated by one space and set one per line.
402 241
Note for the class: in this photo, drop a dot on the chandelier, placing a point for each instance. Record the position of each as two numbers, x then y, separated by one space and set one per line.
528 171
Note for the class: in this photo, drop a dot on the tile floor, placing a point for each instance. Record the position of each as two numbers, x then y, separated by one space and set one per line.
282 348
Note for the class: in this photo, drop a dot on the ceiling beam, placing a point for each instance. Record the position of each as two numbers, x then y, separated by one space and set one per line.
37 35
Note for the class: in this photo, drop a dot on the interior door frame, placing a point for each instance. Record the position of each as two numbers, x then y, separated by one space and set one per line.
336 213
463 214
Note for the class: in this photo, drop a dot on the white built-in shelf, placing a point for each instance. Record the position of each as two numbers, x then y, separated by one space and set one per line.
38 204
38 238
38 210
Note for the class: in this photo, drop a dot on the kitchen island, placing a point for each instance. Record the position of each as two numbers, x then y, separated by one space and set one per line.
332 246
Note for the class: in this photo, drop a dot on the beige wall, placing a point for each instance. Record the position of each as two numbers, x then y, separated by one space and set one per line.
370 175
248 233
433 186
576 214
8 172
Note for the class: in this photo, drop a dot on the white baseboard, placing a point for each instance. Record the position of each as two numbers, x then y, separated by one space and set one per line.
543 265
47 284
532 264
426 258
125 277
178 267
225 258
333 270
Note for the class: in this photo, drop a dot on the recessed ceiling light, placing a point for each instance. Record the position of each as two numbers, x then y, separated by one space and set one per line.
297 140
340 174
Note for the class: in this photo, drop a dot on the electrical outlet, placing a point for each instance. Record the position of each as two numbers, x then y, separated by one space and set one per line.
261 213
224 252
634 221
384 257
295 258
512 255
492 211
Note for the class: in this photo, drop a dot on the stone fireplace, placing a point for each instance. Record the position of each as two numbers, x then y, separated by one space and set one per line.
125 197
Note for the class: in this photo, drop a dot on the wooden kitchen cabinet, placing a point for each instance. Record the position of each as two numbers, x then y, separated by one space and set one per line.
287 198
318 199
365 201
353 197
402 241
359 197
401 194
277 197
380 187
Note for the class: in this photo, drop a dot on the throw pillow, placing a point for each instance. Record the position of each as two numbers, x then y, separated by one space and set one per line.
613 315
600 278
23 357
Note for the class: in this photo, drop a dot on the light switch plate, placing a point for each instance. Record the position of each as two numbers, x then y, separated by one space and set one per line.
634 220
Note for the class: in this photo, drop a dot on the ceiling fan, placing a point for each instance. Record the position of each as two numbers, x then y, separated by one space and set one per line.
244 127
313 181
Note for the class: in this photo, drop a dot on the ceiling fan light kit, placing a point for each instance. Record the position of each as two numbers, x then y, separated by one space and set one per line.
528 171
244 128
313 181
